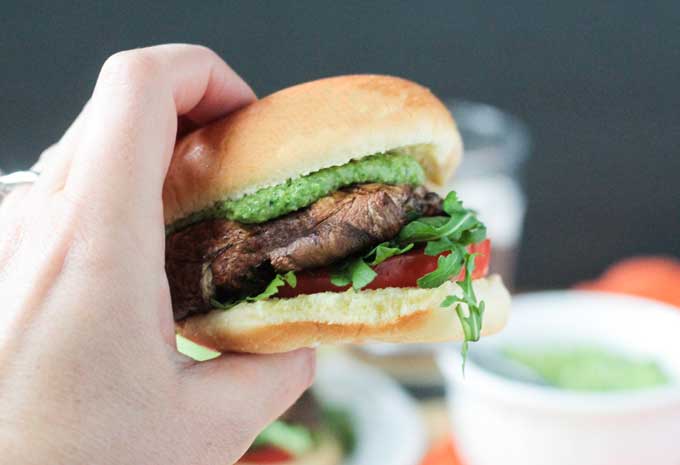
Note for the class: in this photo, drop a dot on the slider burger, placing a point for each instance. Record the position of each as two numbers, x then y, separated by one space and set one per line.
307 434
304 218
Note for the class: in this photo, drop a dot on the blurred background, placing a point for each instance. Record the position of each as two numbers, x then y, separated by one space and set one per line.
592 88
597 84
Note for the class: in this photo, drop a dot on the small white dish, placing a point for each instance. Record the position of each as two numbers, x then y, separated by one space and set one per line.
500 421
386 421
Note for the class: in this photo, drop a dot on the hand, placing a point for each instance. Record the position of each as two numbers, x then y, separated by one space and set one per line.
89 372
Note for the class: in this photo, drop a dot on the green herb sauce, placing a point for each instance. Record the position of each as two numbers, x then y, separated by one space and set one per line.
589 368
294 194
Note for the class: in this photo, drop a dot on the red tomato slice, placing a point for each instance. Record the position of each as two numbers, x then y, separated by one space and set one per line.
398 271
266 454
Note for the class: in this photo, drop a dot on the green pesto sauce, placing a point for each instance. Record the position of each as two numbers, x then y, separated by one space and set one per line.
589 368
294 194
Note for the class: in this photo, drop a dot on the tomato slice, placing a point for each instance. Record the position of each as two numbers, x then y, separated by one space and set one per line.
398 271
266 454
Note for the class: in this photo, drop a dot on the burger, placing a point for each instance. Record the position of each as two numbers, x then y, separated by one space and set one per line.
305 218
307 434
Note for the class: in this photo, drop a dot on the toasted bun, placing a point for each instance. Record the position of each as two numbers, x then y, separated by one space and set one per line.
305 128
389 315
327 452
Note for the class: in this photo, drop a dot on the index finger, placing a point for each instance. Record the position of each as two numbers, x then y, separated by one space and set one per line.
126 143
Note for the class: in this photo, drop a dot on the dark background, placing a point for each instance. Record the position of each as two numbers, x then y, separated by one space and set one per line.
597 84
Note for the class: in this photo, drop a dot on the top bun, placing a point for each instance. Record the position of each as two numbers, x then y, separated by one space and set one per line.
305 128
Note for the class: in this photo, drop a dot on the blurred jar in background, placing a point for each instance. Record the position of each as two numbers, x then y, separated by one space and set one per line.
496 145
489 181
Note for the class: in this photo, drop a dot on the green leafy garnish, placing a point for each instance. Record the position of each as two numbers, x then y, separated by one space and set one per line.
271 289
294 439
472 321
386 250
358 272
461 226
452 235
445 236
355 272
441 234
447 267
439 246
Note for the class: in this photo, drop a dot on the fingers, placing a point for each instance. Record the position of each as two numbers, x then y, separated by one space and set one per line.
123 153
224 93
238 395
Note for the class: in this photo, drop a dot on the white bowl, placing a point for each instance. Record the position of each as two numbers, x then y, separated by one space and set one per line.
500 421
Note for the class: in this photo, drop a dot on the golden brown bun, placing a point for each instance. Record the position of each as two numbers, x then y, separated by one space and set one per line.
327 452
389 315
305 128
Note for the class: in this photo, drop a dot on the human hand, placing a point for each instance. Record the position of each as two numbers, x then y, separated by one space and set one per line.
88 367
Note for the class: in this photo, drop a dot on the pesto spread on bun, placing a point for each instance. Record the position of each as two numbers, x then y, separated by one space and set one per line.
305 218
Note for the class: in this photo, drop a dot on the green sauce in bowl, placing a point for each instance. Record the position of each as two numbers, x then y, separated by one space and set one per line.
588 368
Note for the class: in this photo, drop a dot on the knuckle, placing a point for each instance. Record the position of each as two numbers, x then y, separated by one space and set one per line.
191 48
204 49
131 68
47 156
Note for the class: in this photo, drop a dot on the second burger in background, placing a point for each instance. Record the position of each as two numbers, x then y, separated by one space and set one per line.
307 434
304 218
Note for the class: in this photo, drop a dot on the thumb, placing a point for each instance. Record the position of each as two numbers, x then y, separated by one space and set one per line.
232 398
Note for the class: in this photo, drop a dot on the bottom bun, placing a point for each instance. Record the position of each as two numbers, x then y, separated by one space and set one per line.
328 451
387 315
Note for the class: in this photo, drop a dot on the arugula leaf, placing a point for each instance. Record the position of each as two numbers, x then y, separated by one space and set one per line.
439 246
423 229
355 272
452 234
472 321
461 225
273 287
476 232
358 271
441 234
435 227
447 267
290 279
451 203
474 235
386 250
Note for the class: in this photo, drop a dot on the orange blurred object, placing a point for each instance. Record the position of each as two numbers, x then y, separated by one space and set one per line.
442 453
652 277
